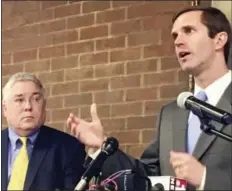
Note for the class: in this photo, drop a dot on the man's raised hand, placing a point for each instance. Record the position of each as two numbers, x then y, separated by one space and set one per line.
89 133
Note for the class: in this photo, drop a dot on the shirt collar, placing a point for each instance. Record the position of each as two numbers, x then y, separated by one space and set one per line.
216 86
13 136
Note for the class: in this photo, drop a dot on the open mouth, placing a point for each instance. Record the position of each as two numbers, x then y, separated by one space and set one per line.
183 55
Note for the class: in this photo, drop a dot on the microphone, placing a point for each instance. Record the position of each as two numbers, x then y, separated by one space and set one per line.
186 100
109 147
158 187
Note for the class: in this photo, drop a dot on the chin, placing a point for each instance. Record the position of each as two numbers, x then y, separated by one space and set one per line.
188 68
29 126
192 71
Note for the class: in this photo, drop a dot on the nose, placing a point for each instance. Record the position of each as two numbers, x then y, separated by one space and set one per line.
28 105
179 40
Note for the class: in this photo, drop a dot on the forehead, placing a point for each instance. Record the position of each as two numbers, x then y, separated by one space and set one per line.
23 87
191 18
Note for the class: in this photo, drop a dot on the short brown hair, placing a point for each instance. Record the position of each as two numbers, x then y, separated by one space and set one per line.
215 20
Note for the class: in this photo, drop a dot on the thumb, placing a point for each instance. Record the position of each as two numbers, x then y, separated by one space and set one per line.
93 112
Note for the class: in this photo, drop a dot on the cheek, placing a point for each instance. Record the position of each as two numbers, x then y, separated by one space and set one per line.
39 112
206 54
13 111
205 48
13 116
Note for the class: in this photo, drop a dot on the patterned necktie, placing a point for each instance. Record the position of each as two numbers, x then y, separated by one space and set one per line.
194 129
19 169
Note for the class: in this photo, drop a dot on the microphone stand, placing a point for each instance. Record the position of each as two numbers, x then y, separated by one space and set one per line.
208 128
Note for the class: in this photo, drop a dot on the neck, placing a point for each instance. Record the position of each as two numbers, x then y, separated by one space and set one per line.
24 132
205 79
210 74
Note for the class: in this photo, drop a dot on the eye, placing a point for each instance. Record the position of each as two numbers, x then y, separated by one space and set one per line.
19 100
174 36
38 98
188 30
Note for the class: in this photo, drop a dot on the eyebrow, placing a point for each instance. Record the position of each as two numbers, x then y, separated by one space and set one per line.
33 94
182 28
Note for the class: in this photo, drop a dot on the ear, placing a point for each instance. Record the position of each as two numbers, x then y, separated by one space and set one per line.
44 104
44 111
4 108
220 40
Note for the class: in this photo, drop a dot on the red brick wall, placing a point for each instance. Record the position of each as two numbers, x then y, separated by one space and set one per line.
117 54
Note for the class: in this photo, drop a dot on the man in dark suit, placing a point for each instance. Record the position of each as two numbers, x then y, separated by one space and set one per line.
34 156
202 39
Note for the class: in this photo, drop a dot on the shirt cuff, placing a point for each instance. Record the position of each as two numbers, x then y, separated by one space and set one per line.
202 185
95 154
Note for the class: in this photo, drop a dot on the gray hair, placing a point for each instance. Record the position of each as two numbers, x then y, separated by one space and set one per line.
21 76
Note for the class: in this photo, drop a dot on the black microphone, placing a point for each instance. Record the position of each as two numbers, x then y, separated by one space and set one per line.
158 187
109 147
186 100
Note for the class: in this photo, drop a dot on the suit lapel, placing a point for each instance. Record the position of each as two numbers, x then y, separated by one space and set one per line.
39 151
206 140
180 119
4 152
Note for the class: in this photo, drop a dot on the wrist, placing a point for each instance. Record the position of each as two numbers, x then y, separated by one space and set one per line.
102 141
92 149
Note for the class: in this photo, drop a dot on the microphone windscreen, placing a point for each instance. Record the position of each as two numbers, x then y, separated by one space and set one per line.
158 187
110 145
181 99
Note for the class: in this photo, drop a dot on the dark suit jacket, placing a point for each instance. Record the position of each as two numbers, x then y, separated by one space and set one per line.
212 151
56 162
